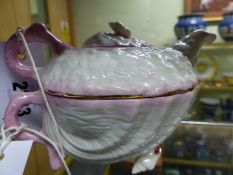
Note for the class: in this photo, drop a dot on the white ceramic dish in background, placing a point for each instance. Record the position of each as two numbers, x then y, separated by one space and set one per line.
206 67
210 101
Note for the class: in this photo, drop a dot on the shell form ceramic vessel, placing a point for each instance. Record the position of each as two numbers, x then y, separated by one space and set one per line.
123 109
112 100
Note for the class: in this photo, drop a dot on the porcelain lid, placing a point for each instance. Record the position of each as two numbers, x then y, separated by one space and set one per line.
119 71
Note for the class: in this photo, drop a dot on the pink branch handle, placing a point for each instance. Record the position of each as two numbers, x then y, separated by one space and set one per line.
37 32
17 101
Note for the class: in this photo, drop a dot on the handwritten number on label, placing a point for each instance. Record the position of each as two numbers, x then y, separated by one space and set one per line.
23 86
26 111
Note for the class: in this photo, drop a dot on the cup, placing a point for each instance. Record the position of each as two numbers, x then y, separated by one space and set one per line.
201 150
210 108
227 107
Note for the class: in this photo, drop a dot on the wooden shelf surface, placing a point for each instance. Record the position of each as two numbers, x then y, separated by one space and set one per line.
198 163
218 45
227 89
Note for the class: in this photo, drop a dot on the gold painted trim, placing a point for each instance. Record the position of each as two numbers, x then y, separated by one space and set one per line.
213 19
114 97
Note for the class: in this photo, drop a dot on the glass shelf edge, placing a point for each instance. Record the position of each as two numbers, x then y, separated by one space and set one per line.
198 163
206 123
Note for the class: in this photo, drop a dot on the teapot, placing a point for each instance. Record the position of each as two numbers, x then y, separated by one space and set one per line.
112 99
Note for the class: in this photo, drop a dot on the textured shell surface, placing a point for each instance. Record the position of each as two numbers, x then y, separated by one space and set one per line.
107 131
119 71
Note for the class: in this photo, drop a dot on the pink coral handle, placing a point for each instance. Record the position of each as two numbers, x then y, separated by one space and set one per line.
37 32
17 102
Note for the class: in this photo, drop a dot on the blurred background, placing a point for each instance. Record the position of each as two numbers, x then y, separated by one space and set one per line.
203 143
150 20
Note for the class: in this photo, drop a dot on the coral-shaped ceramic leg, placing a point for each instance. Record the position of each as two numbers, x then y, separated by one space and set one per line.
146 161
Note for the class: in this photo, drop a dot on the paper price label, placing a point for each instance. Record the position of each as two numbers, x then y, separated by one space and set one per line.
15 158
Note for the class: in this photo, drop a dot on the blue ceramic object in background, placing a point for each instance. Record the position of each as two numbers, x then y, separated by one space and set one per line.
225 27
201 148
228 109
188 23
210 108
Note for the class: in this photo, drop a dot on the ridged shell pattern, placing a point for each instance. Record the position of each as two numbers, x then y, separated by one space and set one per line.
119 71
